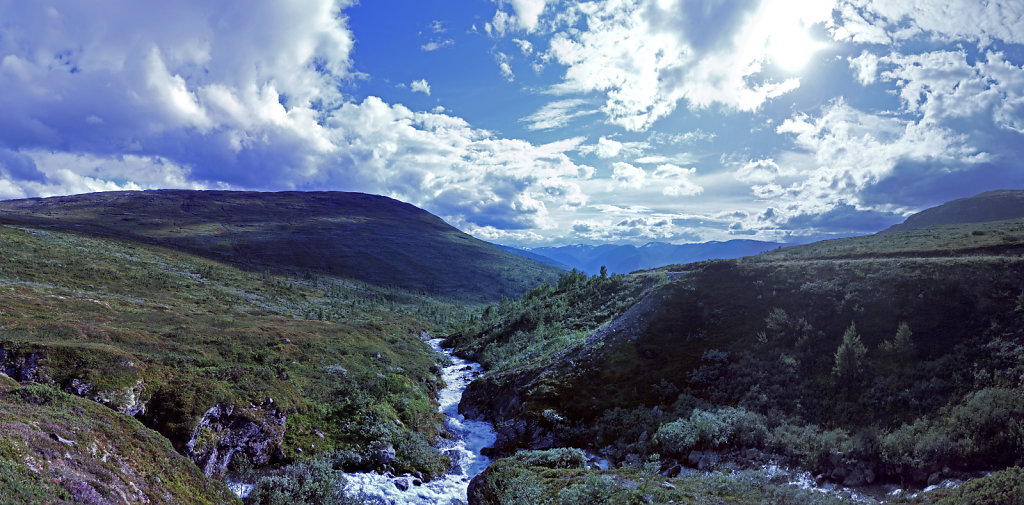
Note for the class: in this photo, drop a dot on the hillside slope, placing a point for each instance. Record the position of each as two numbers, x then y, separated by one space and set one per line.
350 235
58 449
989 206
886 358
226 364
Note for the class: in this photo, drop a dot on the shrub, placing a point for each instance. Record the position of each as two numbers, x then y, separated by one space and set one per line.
564 457
305 483
504 483
595 490
727 426
1000 488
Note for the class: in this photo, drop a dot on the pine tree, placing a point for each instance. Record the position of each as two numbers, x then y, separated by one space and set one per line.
849 358
902 344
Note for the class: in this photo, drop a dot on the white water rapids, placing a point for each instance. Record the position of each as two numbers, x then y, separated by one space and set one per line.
464 450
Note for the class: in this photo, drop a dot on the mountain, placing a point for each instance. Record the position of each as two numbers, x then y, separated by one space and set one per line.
370 238
629 258
854 359
535 257
989 206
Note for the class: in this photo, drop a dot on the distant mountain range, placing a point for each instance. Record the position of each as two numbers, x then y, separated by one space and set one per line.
628 258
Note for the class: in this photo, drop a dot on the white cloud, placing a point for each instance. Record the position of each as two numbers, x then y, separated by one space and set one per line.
45 173
213 85
607 148
689 137
505 66
450 168
655 159
845 152
420 86
942 84
865 67
528 12
434 45
875 21
675 180
759 171
525 46
647 56
499 24
626 175
556 114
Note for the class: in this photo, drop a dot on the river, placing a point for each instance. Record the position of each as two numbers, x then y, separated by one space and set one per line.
464 449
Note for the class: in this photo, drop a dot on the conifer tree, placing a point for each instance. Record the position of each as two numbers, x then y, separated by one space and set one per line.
849 358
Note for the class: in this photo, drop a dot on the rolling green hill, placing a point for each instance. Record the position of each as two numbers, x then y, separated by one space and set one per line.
349 235
888 358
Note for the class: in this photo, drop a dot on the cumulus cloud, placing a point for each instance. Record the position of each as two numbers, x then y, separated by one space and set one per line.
759 171
865 67
420 86
676 182
942 84
607 147
528 12
844 153
626 175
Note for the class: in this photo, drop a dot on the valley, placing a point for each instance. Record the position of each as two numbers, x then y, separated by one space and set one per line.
198 340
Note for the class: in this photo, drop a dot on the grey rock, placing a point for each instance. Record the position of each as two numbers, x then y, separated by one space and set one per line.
63 440
667 485
384 456
934 478
402 483
256 432
838 474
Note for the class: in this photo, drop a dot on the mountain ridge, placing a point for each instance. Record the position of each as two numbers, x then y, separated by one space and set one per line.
997 205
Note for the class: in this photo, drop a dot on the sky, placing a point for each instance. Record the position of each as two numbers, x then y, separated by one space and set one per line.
528 122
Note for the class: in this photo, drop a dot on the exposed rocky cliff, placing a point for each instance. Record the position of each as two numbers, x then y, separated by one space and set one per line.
225 430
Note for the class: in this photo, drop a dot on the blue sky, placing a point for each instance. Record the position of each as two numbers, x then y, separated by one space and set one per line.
528 122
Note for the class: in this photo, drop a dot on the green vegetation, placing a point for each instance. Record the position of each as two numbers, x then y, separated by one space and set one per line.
890 358
548 318
60 449
369 238
527 479
949 240
313 482
167 336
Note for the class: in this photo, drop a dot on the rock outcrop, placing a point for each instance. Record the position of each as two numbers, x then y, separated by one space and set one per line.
22 368
225 430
